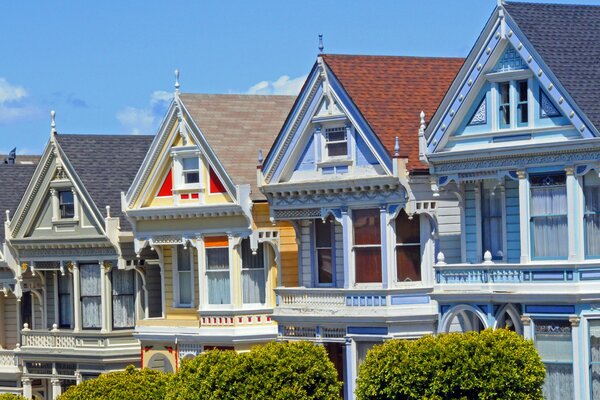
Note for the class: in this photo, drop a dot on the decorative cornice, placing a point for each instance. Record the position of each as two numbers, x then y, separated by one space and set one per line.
186 212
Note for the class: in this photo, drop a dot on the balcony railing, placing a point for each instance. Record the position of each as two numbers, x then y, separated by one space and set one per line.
76 341
8 358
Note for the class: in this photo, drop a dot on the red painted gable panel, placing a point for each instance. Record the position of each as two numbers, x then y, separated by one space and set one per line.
166 190
215 183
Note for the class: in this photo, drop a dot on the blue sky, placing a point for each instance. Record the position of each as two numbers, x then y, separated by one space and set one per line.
107 67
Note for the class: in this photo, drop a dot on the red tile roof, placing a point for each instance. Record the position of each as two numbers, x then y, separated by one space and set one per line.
390 92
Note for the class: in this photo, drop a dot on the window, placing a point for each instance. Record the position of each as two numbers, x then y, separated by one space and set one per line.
554 343
522 103
591 217
66 204
336 142
504 89
253 274
123 298
91 298
367 245
491 221
549 215
191 170
595 358
65 305
324 251
408 248
185 279
217 270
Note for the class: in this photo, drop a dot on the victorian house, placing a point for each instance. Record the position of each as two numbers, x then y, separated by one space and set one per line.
195 203
515 139
71 283
345 172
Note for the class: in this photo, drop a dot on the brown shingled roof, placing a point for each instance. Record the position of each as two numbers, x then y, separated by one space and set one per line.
237 126
390 92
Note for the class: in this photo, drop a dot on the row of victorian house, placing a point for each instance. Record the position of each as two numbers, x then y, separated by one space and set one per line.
397 197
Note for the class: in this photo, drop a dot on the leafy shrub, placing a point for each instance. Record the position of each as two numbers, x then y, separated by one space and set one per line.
10 396
131 384
493 364
278 371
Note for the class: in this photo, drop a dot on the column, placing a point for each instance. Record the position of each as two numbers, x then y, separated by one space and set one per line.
106 296
572 214
347 239
524 215
75 204
478 232
55 294
76 298
2 331
384 246
55 204
577 356
350 369
27 392
527 327
56 388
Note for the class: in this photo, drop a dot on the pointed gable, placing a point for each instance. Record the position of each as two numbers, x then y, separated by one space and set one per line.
567 38
390 92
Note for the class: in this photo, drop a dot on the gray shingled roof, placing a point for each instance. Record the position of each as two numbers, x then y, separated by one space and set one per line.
14 179
106 165
236 127
567 37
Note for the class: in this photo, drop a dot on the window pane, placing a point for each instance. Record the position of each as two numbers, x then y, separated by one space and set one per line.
553 342
367 227
595 357
192 177
368 264
183 259
491 221
253 273
505 93
408 263
323 232
64 301
185 287
123 298
218 287
522 91
407 230
217 258
91 310
66 204
191 163
337 149
324 266
336 134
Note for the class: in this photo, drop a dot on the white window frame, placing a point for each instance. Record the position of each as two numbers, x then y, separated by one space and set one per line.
176 284
422 243
205 299
266 263
178 171
324 143
511 77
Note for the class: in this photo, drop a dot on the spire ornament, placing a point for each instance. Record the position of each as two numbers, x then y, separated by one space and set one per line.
321 47
397 147
53 123
177 81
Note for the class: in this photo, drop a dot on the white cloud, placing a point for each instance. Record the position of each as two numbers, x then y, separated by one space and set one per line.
283 85
13 102
145 120
10 93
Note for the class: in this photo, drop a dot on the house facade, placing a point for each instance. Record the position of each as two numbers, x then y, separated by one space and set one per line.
195 203
515 139
71 286
345 171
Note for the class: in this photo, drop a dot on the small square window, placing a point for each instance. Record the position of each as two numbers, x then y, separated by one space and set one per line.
336 142
191 170
66 203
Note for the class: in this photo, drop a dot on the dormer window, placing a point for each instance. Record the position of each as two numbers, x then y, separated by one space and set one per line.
336 142
66 203
190 170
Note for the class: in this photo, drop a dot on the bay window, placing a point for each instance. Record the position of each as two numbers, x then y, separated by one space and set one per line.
217 270
553 340
408 248
123 298
65 303
91 296
323 231
185 280
491 220
549 216
591 218
367 245
253 274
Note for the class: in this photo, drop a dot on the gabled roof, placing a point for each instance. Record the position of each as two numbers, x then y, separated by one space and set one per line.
567 37
391 91
236 127
14 179
106 165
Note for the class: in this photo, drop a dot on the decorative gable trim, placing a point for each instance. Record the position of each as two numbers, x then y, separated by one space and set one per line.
501 29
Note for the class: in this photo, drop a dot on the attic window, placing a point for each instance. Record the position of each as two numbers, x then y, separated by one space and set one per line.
66 202
336 142
190 170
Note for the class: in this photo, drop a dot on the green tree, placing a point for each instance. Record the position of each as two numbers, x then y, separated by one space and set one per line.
130 384
493 364
10 396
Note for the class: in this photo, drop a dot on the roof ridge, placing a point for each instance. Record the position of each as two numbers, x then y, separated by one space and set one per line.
552 4
247 95
392 56
101 135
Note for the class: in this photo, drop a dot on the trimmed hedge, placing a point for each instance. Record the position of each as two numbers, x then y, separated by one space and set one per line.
493 364
10 396
131 384
278 371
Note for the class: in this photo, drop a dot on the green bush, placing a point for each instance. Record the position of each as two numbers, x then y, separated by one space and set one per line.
493 364
10 396
278 371
131 384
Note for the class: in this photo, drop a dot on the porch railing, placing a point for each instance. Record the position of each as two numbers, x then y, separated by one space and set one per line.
8 358
58 339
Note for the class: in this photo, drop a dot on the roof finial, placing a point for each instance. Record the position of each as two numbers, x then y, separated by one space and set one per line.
501 3
53 123
260 157
176 81
422 127
397 147
321 47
